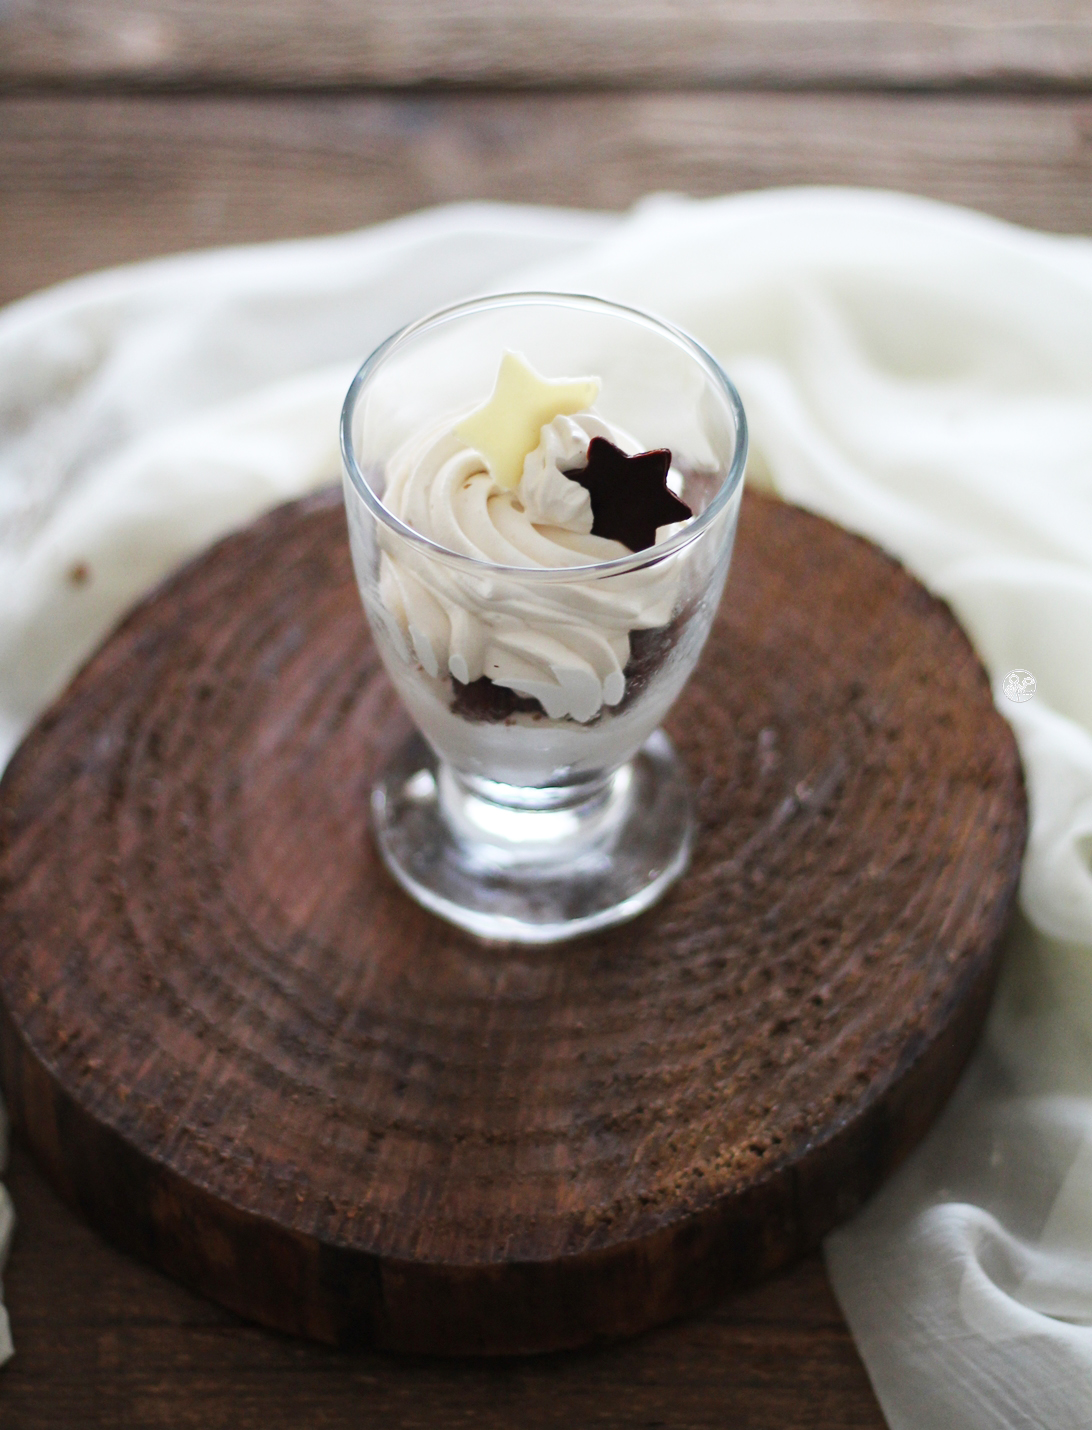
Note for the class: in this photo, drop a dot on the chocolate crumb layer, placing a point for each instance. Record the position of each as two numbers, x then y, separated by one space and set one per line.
486 701
647 652
483 700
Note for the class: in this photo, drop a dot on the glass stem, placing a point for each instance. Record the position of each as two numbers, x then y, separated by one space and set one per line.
533 826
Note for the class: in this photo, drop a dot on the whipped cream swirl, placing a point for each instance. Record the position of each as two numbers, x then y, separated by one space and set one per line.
564 643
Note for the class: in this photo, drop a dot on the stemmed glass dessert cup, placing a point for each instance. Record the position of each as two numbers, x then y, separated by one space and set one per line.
540 800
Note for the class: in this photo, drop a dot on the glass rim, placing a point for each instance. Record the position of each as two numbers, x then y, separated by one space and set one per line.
637 559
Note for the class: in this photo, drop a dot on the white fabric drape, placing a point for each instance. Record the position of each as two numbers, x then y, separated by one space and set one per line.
920 374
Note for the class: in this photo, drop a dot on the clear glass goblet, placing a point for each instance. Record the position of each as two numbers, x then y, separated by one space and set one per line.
551 805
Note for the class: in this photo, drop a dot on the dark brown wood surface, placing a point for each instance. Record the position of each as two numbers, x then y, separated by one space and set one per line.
105 1342
556 45
98 179
247 1056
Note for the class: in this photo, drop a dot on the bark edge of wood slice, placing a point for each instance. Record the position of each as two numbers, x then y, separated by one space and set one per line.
247 1057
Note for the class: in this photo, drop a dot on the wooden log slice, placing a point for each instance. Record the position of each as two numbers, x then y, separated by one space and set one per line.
243 1053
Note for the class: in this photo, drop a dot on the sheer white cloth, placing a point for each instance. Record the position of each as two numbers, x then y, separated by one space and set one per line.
918 373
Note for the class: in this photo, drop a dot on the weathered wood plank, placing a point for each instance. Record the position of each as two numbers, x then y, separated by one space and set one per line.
102 1340
567 42
87 181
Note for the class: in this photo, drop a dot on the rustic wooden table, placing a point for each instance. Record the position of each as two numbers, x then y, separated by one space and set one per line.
131 131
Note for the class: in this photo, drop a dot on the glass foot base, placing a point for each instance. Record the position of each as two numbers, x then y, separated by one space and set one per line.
579 859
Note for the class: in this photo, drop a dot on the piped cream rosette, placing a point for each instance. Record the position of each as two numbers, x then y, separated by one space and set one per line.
564 643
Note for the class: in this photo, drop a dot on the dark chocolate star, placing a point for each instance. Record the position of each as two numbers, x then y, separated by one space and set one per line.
629 495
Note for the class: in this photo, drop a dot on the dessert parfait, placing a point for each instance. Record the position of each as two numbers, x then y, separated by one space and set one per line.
540 578
533 480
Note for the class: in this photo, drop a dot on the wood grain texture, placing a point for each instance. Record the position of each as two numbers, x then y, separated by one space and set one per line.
94 180
564 43
102 1341
243 1053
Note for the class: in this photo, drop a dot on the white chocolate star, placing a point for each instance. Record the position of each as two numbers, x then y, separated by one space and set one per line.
510 423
